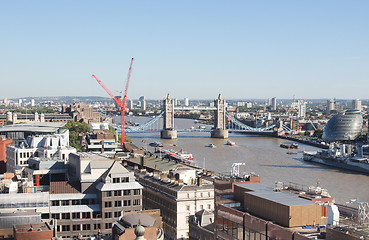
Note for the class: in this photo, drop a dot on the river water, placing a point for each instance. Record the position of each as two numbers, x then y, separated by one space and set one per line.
263 156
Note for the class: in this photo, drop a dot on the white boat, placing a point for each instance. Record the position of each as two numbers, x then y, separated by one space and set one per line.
230 143
211 145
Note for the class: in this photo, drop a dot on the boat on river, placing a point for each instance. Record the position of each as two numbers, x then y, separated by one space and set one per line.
230 143
343 157
211 145
289 146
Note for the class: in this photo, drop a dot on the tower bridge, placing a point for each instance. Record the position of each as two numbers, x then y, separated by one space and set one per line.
221 117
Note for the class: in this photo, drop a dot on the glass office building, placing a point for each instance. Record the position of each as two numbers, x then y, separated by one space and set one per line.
345 125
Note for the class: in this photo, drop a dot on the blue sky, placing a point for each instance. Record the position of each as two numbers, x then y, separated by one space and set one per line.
195 49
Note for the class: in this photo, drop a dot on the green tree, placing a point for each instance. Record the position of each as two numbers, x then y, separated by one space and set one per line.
75 129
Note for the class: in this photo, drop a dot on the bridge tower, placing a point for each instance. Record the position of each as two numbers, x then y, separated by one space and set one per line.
219 130
168 131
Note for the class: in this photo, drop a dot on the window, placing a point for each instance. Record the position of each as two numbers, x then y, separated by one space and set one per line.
97 226
127 203
65 228
136 192
86 226
201 195
127 192
76 227
116 214
116 180
118 193
117 203
209 194
107 225
107 194
136 202
86 215
55 203
188 195
125 179
65 215
65 202
108 215
188 207
201 207
55 215
187 219
108 204
96 215
75 202
75 215
209 206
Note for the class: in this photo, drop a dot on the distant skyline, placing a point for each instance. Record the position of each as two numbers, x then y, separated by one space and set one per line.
194 49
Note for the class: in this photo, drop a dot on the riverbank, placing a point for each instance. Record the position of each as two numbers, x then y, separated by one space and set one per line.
304 141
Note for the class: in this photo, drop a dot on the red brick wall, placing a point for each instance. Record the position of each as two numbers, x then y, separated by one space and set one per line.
3 144
43 235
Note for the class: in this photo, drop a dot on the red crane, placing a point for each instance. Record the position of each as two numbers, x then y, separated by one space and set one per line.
120 102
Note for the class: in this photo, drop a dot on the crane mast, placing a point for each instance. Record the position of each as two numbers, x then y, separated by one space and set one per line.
121 103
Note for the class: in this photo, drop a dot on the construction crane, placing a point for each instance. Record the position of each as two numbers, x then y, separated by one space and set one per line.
121 102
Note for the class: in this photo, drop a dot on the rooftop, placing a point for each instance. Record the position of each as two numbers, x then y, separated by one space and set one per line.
285 198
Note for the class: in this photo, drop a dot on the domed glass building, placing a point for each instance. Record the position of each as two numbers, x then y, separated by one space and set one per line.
345 125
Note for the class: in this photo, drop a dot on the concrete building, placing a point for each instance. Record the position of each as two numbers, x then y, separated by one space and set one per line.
186 102
356 104
301 110
82 112
99 192
274 104
283 208
53 147
331 106
178 194
143 105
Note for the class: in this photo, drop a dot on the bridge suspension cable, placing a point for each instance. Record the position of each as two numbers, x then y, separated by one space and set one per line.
241 125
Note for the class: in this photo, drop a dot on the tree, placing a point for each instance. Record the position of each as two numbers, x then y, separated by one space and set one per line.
75 129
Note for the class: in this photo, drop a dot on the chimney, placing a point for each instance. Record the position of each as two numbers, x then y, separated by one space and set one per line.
199 181
142 161
102 146
135 167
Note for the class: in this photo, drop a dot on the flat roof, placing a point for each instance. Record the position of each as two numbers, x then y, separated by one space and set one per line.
45 127
285 198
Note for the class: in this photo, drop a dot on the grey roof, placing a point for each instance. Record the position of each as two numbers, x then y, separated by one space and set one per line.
118 186
134 219
75 208
285 198
46 127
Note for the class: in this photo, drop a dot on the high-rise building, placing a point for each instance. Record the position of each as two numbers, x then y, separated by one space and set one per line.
356 104
302 110
186 102
130 105
32 102
331 105
142 98
143 105
274 103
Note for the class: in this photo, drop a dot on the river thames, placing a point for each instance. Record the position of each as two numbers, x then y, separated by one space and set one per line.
263 156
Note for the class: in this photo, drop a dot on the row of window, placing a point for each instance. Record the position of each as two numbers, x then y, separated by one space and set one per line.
79 227
188 207
124 203
76 215
122 192
73 202
202 194
119 180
